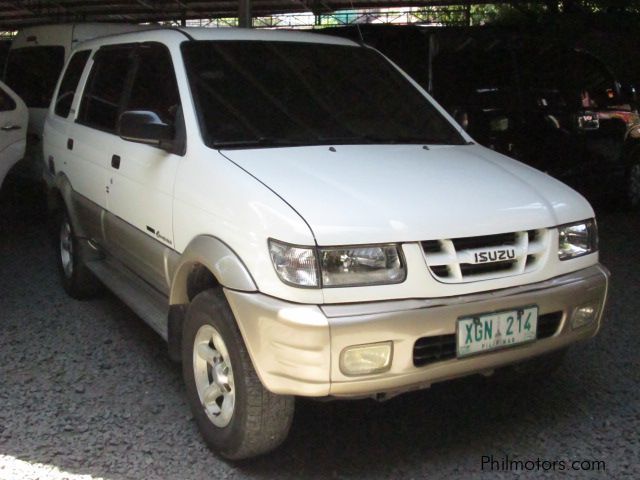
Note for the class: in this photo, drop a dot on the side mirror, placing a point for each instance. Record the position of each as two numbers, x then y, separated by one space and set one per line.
146 127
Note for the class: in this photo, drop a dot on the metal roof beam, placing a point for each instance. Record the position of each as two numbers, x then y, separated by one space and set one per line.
15 14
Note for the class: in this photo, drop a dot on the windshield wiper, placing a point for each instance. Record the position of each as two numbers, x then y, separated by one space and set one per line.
259 142
346 140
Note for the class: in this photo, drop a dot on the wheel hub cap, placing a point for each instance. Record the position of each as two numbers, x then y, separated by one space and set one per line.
66 249
213 376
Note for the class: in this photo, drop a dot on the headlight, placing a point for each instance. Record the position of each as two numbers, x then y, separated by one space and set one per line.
294 265
367 265
577 239
339 266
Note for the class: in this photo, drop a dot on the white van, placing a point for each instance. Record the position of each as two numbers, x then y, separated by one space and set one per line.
13 128
34 63
296 217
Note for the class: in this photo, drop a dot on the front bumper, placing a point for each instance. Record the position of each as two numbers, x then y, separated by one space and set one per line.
296 348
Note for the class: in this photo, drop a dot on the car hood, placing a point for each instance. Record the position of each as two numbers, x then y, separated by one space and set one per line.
355 194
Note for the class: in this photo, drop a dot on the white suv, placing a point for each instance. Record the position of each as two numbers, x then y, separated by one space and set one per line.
298 218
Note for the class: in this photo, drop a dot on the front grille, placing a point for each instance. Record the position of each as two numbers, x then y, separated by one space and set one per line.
486 257
485 241
548 324
431 246
434 349
469 269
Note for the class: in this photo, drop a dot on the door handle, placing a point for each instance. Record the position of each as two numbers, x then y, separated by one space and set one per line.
115 161
70 144
10 127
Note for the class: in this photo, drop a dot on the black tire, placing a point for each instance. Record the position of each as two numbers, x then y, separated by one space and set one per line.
633 186
77 280
260 420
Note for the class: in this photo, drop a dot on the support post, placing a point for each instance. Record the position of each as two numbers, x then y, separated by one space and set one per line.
244 14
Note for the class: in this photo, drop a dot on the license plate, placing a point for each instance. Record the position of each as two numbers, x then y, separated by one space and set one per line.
491 331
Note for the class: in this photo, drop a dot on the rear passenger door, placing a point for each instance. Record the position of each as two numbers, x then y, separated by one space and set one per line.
141 179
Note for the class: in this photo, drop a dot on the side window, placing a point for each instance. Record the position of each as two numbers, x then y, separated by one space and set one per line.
6 102
105 88
154 86
70 81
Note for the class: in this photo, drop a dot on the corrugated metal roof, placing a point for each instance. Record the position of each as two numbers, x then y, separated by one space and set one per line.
19 13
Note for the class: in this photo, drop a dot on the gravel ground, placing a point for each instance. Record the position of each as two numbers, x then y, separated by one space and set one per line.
87 391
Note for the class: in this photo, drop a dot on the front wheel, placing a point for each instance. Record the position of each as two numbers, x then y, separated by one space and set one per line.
236 415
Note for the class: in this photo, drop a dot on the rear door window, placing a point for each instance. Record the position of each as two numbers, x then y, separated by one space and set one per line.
32 72
105 91
70 81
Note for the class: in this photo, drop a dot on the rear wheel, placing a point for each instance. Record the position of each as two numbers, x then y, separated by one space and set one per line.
236 415
76 278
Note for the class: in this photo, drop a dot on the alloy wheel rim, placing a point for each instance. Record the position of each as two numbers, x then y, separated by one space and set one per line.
66 249
634 185
213 376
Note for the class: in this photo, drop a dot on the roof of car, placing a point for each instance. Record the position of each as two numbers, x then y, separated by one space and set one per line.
258 34
158 34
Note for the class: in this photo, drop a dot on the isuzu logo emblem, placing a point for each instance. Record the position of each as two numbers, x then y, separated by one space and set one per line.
497 255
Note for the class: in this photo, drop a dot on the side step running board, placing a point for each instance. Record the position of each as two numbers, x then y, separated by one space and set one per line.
144 300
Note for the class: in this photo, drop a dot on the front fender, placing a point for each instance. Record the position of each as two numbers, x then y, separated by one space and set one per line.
219 259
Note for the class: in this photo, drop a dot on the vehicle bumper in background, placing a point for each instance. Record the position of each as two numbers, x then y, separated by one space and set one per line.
296 348
11 155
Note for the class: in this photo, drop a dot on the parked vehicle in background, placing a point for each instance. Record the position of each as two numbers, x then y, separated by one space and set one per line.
5 45
34 63
14 118
553 107
632 163
296 218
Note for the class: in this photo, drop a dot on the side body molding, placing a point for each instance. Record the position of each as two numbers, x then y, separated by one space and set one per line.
221 261
84 214
61 189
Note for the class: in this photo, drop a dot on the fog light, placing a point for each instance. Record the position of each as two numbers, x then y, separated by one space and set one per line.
584 315
366 359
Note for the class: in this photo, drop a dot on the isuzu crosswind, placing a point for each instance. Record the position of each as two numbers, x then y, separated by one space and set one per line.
297 217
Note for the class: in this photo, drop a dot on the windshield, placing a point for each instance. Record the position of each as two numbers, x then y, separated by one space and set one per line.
256 93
